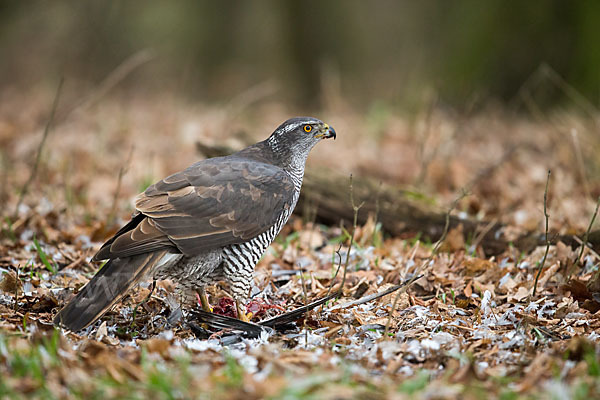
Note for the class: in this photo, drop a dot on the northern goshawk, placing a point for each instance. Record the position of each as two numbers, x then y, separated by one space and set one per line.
210 222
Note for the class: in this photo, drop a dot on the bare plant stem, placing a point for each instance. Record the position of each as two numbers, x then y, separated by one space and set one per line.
17 287
587 232
305 303
482 234
110 81
580 163
304 293
546 216
337 271
122 172
36 164
354 223
417 273
377 207
424 157
143 302
569 90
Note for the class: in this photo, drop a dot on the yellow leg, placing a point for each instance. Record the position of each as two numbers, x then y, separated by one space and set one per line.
241 313
204 300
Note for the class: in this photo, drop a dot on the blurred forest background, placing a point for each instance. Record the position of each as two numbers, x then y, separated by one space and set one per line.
462 105
398 52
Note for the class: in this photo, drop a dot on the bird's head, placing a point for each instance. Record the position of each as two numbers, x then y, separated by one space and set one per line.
300 133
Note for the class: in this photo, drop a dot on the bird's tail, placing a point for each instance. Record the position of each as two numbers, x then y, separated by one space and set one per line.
106 288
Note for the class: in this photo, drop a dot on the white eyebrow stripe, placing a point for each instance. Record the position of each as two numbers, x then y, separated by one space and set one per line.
289 128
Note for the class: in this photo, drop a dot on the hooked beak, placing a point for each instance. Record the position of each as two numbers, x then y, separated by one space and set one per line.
327 132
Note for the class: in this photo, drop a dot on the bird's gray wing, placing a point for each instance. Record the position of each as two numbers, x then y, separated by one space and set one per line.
213 203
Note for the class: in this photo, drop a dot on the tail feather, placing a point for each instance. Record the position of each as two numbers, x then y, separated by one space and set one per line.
106 288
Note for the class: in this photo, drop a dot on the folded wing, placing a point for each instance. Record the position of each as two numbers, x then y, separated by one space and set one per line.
213 203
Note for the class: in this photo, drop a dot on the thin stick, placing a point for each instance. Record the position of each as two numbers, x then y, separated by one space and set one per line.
17 287
580 163
490 169
417 273
482 234
354 222
122 172
305 303
336 271
546 216
587 233
590 249
112 79
374 296
143 302
426 159
304 293
377 209
570 91
40 149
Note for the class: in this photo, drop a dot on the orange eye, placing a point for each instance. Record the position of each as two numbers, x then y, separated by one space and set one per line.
307 128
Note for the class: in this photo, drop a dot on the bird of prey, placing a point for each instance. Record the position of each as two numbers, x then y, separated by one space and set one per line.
210 222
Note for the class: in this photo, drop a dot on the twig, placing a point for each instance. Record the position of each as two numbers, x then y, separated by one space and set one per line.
490 169
17 287
426 159
76 262
337 270
570 91
143 302
354 222
587 232
546 216
377 209
122 172
304 294
580 163
590 249
486 229
417 273
544 71
117 75
250 96
40 149
374 296
3 178
305 303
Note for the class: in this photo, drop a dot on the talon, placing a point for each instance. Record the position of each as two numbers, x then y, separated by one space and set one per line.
246 317
203 300
242 316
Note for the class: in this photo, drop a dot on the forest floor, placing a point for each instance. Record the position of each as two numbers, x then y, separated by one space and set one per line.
471 327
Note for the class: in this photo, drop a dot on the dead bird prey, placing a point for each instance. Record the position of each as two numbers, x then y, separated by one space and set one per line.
210 222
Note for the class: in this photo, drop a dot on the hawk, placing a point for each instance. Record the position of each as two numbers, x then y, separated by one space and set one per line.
210 222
